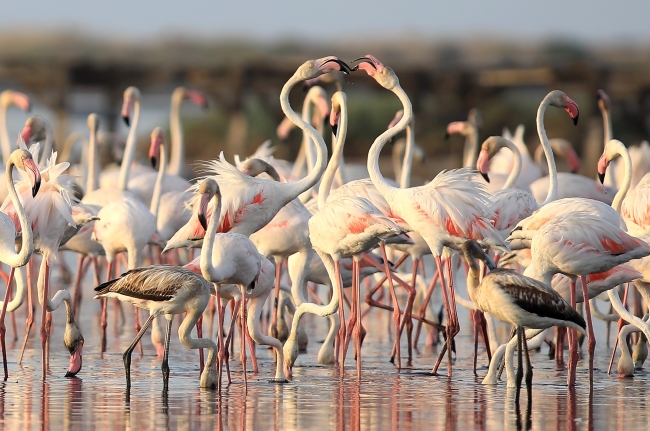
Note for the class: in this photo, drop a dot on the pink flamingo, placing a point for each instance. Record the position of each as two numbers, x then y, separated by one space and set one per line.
22 160
50 211
578 244
447 211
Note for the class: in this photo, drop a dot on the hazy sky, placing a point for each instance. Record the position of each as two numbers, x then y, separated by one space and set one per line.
587 20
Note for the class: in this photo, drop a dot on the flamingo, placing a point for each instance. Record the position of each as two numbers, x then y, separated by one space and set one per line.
22 160
113 183
167 290
344 227
250 203
509 204
519 300
447 210
50 212
226 258
578 244
503 161
626 363
38 129
470 131
9 98
177 165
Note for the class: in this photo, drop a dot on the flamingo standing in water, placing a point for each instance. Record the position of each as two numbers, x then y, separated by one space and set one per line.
447 211
22 160
578 244
519 300
345 227
50 212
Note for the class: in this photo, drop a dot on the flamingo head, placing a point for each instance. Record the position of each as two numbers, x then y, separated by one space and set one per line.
398 116
603 100
93 123
462 127
131 96
23 160
197 97
208 189
490 147
335 77
560 100
10 97
315 68
339 98
603 163
472 250
254 167
612 149
384 75
74 342
157 141
34 129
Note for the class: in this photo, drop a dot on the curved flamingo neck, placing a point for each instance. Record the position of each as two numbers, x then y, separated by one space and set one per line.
407 164
177 156
297 187
337 152
129 150
620 149
92 180
12 258
307 110
471 147
552 169
373 155
207 270
157 190
516 168
4 133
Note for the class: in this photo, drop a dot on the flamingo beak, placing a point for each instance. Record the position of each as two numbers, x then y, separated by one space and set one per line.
154 149
334 120
26 133
362 61
483 163
22 101
127 108
76 361
203 210
342 66
603 163
34 174
197 98
572 108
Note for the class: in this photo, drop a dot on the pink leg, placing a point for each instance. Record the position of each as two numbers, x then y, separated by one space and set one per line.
30 310
104 315
341 336
353 312
423 308
620 325
276 301
43 322
357 329
243 338
199 334
573 339
591 343
251 347
445 298
396 310
77 284
3 329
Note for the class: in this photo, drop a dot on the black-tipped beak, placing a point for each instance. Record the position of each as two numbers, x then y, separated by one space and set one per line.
153 162
363 60
601 177
37 185
485 176
447 135
127 120
344 67
71 374
203 221
575 120
335 128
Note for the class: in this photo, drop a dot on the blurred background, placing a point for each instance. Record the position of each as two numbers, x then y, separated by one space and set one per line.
77 57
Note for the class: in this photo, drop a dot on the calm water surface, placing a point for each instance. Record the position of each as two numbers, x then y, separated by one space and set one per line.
318 398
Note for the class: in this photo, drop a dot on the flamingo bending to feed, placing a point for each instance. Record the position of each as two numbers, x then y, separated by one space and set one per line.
167 290
578 244
50 212
448 210
519 300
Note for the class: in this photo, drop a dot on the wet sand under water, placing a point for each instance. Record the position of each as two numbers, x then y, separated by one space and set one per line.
317 398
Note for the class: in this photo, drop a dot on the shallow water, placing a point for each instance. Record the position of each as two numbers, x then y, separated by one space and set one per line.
318 397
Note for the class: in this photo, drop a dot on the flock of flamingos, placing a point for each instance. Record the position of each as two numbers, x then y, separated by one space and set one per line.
252 220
